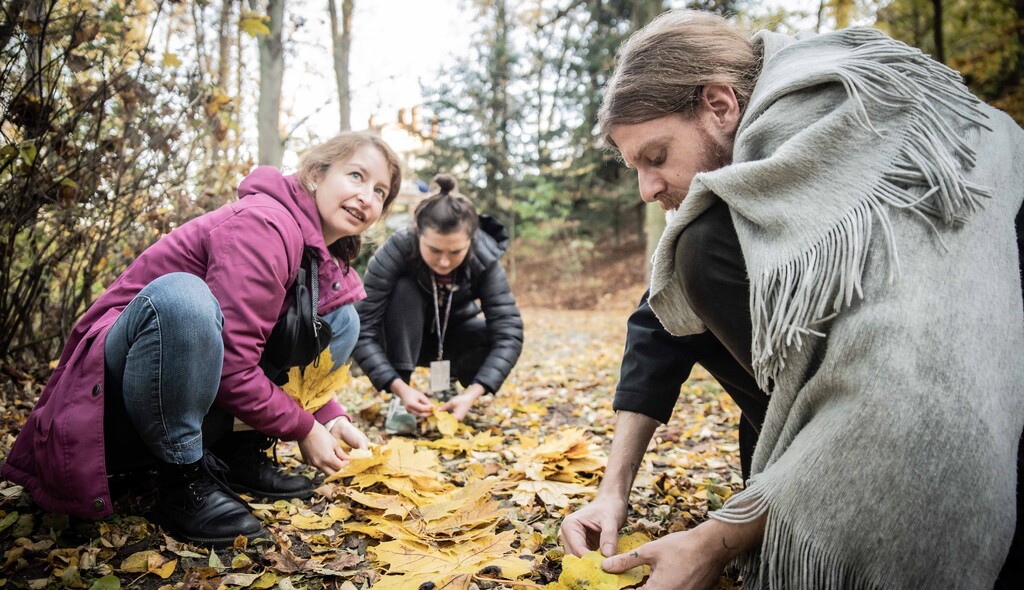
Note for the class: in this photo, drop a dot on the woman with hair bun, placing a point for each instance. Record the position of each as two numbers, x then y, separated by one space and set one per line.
425 290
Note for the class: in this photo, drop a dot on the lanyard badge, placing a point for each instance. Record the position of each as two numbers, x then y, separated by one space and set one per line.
440 370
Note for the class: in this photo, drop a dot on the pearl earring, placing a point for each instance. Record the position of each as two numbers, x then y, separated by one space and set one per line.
312 187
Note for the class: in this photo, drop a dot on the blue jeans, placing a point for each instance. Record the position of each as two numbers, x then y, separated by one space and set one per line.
165 354
163 359
344 323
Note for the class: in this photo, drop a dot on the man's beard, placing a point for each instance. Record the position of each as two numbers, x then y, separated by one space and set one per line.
714 153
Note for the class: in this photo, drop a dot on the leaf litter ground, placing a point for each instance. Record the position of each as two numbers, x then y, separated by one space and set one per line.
457 506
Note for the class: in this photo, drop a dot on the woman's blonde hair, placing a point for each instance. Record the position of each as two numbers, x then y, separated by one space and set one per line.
663 67
313 166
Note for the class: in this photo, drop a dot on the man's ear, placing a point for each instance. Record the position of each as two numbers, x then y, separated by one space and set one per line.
721 106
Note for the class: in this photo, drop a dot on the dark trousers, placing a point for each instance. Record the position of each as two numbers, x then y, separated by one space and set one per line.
714 280
410 335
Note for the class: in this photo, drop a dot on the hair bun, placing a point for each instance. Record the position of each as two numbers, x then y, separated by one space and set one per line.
446 182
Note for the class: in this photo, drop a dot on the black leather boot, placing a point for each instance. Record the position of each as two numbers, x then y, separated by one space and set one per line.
195 505
251 470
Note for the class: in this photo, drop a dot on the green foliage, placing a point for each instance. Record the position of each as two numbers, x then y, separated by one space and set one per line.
983 40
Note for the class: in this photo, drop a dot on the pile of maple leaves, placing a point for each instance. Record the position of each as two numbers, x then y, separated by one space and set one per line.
459 506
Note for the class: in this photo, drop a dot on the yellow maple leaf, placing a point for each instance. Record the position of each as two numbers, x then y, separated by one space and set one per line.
480 441
215 101
254 24
585 573
171 60
316 384
447 424
359 461
391 505
411 564
471 495
312 522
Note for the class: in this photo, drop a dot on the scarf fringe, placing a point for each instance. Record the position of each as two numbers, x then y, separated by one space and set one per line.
785 559
790 302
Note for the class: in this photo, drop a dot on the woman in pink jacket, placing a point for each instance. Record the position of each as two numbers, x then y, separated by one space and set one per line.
173 352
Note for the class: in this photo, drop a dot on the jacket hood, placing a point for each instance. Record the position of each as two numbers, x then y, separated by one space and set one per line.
287 190
496 230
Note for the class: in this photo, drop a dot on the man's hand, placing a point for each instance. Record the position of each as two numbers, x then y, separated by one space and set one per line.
690 560
414 400
459 405
594 526
677 563
320 449
347 432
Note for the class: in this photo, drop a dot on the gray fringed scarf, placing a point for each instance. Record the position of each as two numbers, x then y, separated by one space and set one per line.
874 200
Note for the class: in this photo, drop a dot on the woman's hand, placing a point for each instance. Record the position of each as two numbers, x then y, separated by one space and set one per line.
320 449
414 400
459 405
348 433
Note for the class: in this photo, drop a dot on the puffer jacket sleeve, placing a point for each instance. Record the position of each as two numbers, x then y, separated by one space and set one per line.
504 324
388 263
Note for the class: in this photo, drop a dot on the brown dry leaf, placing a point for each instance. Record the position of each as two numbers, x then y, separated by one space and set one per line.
316 384
554 494
565 466
149 562
243 580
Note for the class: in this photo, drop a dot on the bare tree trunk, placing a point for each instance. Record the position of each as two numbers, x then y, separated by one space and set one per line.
268 110
655 226
843 11
341 42
940 49
224 44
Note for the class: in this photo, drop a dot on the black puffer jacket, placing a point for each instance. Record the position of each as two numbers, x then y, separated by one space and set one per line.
480 278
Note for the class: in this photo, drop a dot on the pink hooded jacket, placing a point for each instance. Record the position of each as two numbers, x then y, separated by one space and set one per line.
248 252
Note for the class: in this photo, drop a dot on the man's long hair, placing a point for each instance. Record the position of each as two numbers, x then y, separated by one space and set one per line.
663 67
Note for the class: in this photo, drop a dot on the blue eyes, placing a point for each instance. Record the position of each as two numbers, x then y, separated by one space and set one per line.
358 176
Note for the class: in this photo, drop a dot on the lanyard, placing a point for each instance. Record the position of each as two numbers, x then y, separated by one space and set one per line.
441 328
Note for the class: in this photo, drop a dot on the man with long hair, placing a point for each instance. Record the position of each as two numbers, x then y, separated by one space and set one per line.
843 223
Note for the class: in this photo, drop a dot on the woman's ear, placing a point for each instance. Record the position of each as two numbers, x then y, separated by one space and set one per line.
721 105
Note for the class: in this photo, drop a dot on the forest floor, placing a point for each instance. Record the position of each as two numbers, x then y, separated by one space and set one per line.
457 506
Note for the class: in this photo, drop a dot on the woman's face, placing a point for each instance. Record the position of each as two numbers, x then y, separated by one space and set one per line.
350 196
443 253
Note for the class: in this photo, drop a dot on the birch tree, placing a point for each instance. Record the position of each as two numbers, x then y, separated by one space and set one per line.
268 110
341 42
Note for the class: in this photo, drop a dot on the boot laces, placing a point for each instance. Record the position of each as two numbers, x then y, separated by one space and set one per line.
214 470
